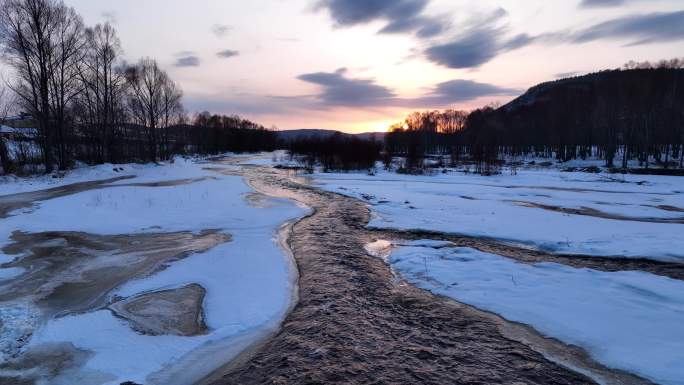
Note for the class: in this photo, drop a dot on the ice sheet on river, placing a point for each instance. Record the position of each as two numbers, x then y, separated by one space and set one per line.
626 320
508 207
248 281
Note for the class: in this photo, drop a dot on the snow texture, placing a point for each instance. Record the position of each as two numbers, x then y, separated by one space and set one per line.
628 320
499 207
249 281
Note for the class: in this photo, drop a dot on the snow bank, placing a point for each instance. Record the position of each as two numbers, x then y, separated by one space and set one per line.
180 168
626 320
249 281
495 207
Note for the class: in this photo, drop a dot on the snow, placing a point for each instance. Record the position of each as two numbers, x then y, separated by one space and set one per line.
179 168
249 281
493 207
628 320
9 272
28 132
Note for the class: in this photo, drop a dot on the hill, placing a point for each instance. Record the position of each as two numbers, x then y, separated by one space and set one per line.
291 135
638 113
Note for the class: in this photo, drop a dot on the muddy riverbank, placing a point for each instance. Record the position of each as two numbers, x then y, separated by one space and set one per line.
356 323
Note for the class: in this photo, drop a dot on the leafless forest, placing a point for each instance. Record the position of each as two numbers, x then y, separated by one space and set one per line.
83 102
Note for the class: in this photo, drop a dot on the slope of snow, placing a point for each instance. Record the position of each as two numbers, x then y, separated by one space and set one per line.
495 207
626 320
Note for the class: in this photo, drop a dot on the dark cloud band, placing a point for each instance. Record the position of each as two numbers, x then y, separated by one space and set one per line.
228 53
402 16
337 90
187 59
601 3
642 29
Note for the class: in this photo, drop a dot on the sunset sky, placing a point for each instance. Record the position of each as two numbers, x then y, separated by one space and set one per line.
361 65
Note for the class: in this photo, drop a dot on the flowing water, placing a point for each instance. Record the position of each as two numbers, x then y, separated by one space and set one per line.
353 320
357 323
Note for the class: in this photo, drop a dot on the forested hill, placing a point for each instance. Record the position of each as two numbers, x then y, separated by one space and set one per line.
640 111
619 88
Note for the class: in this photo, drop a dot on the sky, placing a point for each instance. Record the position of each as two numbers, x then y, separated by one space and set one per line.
361 65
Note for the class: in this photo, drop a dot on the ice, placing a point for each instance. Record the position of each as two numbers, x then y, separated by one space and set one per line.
10 272
249 281
495 207
179 168
628 320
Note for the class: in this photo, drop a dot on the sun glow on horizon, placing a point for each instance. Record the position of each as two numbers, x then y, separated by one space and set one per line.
350 69
371 126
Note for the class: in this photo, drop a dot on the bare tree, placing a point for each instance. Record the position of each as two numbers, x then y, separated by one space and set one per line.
5 106
6 103
103 87
42 42
147 84
171 113
68 53
25 32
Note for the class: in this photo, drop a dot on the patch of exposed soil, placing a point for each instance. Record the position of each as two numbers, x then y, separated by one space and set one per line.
70 272
167 312
67 272
165 183
666 269
46 363
670 208
588 211
259 200
354 324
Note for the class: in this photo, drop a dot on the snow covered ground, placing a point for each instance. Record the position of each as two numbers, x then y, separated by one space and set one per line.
627 320
249 281
507 207
180 168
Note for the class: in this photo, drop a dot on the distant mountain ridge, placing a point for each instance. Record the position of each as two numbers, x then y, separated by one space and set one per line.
290 135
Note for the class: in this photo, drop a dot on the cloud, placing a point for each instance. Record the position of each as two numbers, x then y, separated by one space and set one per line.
601 3
563 75
482 42
353 12
236 103
642 29
470 50
228 53
460 90
187 59
423 27
220 30
338 90
484 38
476 47
402 16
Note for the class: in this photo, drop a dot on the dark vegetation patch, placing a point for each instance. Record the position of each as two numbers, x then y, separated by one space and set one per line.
336 153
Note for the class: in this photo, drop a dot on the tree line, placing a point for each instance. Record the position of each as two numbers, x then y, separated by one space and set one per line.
632 114
338 152
88 104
